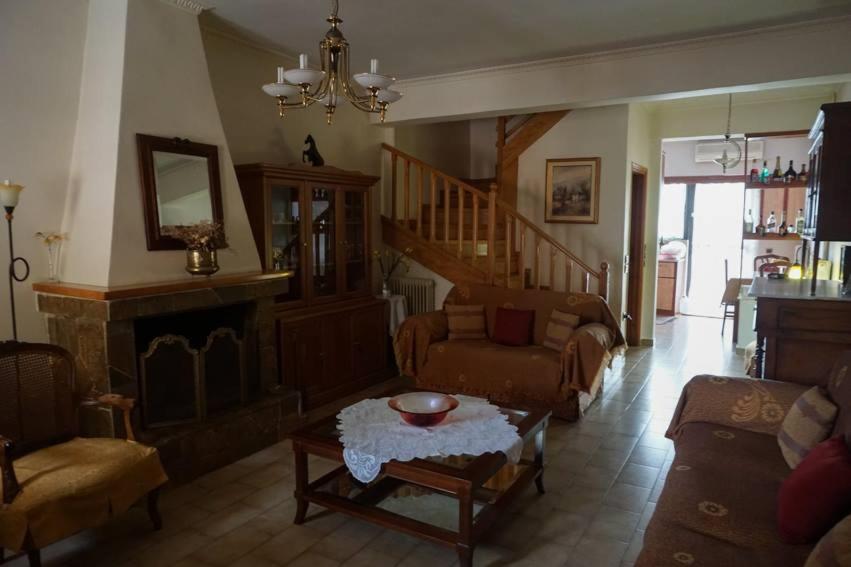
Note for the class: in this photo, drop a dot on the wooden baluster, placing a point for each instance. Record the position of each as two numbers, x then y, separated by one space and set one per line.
537 266
491 232
475 228
420 201
604 281
432 218
407 186
460 221
446 196
508 233
552 268
568 274
522 260
393 187
586 281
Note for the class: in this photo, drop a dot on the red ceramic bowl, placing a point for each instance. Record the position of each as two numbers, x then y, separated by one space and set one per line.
423 409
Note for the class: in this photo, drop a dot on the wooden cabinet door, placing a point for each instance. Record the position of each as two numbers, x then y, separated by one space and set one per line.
336 340
369 340
285 236
354 245
302 356
322 239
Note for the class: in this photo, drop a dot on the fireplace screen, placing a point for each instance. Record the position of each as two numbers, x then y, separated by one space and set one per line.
181 384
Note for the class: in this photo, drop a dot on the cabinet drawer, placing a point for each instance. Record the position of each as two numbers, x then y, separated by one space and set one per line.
815 319
667 269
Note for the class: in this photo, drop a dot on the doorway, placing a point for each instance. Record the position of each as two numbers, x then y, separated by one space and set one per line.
636 255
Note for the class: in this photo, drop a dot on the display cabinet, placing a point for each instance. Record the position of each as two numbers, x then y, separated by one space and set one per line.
332 333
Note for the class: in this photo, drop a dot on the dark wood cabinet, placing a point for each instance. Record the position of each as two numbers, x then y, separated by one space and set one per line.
332 333
828 201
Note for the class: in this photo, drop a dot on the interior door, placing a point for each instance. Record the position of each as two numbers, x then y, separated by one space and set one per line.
323 278
635 260
355 244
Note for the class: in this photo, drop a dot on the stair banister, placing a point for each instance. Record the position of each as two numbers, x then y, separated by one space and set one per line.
492 233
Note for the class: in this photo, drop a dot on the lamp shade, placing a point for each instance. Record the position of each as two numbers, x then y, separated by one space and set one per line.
9 194
303 76
373 80
281 89
386 95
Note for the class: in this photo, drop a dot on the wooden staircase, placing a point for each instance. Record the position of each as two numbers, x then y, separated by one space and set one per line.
469 235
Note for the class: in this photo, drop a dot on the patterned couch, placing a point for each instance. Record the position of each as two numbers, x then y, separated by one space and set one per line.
526 376
719 503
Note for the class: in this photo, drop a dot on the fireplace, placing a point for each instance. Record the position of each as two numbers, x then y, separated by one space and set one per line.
192 365
199 356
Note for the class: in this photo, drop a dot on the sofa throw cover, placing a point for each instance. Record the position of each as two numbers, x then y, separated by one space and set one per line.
808 423
559 328
834 548
466 322
839 389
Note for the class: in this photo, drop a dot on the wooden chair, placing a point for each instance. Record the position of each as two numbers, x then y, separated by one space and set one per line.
773 267
730 299
768 259
55 484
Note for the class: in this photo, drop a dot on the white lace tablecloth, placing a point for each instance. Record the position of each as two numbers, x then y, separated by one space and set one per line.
373 434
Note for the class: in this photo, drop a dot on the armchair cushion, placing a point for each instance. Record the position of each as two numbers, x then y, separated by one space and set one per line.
76 485
807 424
466 322
513 327
754 405
839 389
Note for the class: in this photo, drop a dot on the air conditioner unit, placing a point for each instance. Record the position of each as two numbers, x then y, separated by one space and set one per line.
707 152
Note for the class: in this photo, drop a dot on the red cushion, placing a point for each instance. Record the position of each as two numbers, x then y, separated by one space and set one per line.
513 327
817 494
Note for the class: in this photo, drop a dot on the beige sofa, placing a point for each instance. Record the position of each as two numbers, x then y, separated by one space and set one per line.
526 376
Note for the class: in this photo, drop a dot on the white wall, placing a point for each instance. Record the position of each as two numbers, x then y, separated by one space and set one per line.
167 92
483 139
594 132
41 54
444 145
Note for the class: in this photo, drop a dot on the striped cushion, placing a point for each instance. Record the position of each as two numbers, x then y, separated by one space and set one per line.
834 549
808 423
559 329
466 322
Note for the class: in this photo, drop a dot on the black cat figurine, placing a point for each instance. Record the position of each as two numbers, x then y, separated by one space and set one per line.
311 154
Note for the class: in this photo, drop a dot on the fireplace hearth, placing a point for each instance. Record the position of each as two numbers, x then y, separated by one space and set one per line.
199 357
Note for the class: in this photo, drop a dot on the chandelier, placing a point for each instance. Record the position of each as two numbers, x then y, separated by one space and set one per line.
302 87
732 154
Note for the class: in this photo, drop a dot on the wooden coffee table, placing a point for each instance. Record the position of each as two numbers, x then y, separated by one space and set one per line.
439 485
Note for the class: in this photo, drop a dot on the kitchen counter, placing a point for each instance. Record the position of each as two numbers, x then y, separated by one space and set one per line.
826 290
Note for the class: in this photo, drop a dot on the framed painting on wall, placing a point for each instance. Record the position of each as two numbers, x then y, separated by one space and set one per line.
573 190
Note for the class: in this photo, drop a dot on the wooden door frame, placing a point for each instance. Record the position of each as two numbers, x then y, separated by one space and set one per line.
635 277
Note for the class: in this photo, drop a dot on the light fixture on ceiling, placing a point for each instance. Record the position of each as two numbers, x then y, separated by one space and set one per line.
731 156
302 87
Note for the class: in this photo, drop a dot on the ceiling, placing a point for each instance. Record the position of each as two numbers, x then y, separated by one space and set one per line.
418 38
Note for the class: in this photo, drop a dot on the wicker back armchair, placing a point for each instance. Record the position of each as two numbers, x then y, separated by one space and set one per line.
91 479
37 401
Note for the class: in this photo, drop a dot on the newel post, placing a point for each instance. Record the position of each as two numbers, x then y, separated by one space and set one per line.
604 281
491 233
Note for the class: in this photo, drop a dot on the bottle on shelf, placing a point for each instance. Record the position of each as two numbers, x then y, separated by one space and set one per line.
760 228
790 175
764 174
803 176
754 177
799 222
771 223
749 222
778 173
782 230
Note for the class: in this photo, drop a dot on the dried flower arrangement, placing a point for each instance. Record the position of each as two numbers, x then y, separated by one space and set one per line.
204 235
389 262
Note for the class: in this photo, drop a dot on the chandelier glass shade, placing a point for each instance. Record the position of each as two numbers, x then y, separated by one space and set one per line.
299 88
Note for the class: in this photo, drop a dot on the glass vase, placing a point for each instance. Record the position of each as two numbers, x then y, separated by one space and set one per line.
53 249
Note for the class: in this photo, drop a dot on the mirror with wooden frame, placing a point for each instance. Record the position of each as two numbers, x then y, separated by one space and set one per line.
180 186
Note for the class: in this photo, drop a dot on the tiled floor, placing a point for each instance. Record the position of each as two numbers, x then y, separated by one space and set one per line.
604 476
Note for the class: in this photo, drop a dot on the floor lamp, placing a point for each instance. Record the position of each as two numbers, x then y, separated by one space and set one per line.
9 195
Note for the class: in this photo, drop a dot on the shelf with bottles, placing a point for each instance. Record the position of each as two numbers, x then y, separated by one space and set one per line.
777 185
770 236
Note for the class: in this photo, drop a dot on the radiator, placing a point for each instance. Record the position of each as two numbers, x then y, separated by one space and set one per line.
418 292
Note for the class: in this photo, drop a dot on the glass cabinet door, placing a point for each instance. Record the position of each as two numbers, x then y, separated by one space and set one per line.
323 244
355 246
285 247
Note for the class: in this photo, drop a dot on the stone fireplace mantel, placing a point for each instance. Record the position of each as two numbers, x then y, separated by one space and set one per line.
101 327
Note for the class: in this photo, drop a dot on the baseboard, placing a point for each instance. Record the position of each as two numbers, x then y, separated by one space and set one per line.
647 342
